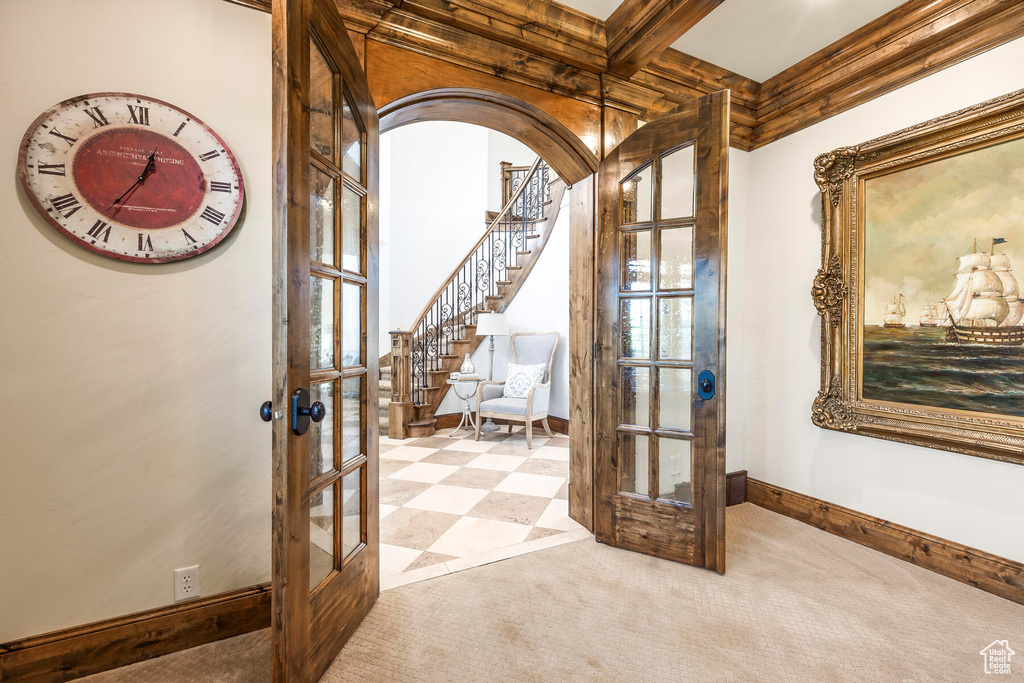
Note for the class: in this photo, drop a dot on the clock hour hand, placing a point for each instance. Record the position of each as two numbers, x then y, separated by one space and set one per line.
150 167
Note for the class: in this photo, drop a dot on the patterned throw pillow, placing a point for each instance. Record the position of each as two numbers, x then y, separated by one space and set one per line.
521 378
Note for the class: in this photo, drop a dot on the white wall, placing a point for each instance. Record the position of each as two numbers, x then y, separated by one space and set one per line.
431 231
775 359
128 393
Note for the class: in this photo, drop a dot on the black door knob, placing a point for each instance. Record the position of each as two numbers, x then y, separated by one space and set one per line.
316 412
267 411
705 385
303 411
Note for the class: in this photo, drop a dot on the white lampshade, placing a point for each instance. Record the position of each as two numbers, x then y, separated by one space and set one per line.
492 323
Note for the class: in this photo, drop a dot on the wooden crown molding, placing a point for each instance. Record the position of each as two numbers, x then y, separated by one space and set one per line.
990 573
111 643
640 30
556 49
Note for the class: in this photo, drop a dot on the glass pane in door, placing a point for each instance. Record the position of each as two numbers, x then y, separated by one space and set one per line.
321 103
352 142
351 510
635 328
637 197
634 465
322 316
321 535
675 398
352 324
351 230
677 176
675 258
636 396
352 418
675 328
321 217
674 470
321 434
636 261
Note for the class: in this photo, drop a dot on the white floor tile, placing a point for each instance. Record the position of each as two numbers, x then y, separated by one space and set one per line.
531 484
545 452
405 578
559 539
472 445
394 558
386 509
488 556
456 500
471 535
388 441
493 461
519 439
425 472
409 453
556 516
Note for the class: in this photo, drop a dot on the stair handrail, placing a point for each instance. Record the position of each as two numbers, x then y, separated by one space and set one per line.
469 254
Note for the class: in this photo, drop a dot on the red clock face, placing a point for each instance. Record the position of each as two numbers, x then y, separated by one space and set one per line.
111 162
131 177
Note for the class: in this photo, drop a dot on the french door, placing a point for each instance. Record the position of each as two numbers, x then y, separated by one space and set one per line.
325 523
660 359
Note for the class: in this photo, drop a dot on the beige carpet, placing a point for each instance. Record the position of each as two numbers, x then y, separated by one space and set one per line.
797 604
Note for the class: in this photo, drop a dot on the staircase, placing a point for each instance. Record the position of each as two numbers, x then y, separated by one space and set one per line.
384 402
486 281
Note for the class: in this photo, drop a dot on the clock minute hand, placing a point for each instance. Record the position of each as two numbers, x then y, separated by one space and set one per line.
150 167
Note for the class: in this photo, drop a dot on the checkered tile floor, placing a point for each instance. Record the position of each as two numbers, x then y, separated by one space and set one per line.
448 504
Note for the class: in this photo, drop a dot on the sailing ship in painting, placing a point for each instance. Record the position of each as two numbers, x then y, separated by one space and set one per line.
984 306
930 316
895 314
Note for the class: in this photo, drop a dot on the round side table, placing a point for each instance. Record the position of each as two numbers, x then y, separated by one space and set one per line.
466 422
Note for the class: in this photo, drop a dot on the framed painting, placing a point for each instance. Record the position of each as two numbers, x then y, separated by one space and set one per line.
922 331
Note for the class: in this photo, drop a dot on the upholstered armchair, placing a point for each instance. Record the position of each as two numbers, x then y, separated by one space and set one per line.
528 348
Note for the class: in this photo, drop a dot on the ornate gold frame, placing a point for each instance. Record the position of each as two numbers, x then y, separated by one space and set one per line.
837 288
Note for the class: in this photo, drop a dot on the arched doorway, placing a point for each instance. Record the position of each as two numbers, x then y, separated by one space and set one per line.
543 133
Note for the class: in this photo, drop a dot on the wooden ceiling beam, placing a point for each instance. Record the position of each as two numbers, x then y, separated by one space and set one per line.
640 30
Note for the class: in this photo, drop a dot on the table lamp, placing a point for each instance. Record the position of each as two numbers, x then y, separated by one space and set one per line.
491 324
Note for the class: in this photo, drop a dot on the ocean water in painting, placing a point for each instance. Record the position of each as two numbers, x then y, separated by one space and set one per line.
916 365
944 249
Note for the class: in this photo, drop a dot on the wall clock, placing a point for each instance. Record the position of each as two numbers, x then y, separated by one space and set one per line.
131 177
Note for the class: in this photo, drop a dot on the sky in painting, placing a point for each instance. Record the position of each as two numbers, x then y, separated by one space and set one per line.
918 221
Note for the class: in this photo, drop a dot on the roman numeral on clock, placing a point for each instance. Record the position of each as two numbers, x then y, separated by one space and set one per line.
67 201
100 231
189 239
213 215
219 187
145 243
65 138
181 127
139 114
98 119
209 155
51 169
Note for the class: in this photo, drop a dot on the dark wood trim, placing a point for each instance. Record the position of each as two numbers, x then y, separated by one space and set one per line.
558 425
914 40
640 30
111 643
735 488
990 573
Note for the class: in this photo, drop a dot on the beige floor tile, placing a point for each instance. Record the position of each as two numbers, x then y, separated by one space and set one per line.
384 448
472 535
427 559
520 438
388 441
424 472
418 529
560 538
409 453
563 493
456 500
471 446
558 442
489 461
556 516
510 507
386 510
552 468
391 466
405 578
550 453
512 449
538 533
478 479
445 457
433 442
530 484
394 559
397 492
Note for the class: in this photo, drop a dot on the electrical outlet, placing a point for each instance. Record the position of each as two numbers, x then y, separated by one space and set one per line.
186 583
675 465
